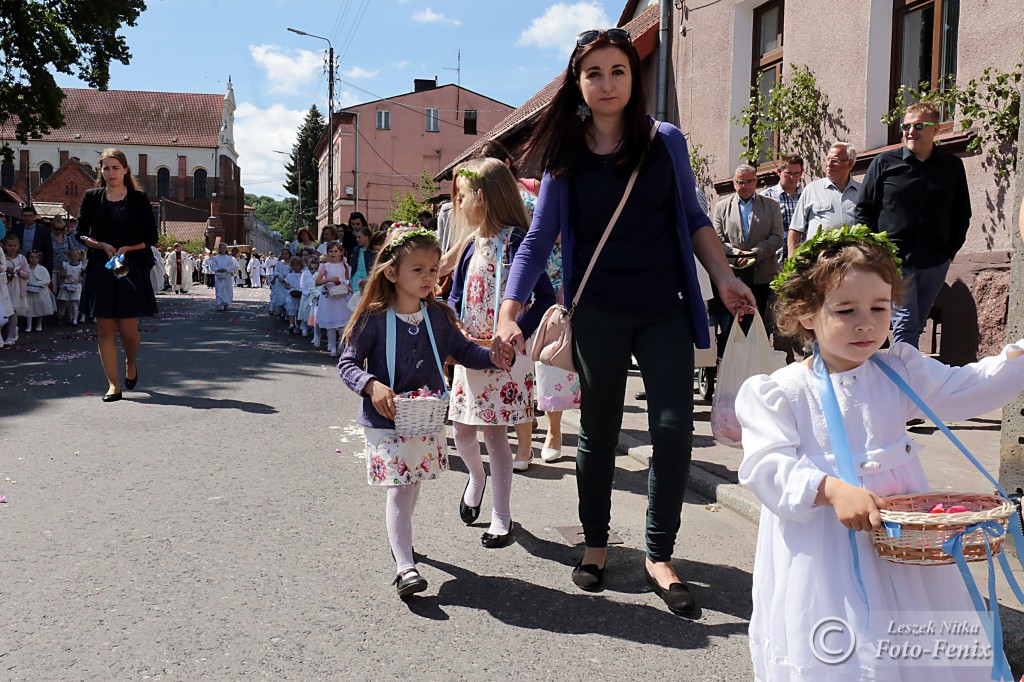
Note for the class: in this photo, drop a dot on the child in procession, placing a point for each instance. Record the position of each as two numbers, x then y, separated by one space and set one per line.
307 284
400 295
17 274
39 301
223 266
487 199
277 292
332 311
70 292
293 285
837 292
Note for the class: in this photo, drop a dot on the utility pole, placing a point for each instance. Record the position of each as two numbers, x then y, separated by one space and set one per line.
330 121
458 82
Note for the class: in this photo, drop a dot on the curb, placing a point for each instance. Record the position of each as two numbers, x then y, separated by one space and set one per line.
738 499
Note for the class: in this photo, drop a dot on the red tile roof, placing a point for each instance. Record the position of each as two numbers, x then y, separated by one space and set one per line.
642 29
166 119
185 231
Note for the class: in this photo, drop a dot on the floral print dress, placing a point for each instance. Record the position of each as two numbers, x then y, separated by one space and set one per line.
557 390
400 460
489 397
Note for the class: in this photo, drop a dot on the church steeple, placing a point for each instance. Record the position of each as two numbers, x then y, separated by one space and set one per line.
227 126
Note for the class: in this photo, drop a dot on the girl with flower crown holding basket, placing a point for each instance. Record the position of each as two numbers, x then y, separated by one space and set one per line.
486 198
814 576
402 333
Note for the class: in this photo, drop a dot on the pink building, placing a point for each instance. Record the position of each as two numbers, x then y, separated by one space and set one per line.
383 147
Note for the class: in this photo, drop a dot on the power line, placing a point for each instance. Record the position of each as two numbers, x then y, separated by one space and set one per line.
382 158
415 107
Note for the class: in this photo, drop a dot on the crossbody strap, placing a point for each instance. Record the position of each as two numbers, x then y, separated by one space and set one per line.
611 223
390 344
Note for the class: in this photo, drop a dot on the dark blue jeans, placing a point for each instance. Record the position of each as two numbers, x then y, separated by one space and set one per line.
921 286
663 347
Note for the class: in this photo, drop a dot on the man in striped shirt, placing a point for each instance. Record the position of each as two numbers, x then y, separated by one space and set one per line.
787 193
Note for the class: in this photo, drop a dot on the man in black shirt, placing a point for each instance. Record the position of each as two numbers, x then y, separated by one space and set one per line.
918 196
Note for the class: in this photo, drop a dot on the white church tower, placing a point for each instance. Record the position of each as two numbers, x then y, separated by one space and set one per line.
227 126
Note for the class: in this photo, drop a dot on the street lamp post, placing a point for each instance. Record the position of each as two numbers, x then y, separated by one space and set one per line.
330 121
298 184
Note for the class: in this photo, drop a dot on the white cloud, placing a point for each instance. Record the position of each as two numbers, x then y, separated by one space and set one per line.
360 72
257 133
429 16
558 26
402 64
288 71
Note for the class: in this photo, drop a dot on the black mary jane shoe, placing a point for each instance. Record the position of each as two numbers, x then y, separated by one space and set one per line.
588 577
676 596
409 582
112 397
131 383
492 541
468 514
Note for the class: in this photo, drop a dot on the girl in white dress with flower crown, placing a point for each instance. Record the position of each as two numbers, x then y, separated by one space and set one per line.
804 570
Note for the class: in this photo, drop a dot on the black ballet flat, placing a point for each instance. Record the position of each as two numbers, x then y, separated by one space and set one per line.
112 397
491 541
588 577
468 514
677 596
131 383
409 582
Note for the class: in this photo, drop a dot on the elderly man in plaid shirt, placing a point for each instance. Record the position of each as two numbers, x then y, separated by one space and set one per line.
787 193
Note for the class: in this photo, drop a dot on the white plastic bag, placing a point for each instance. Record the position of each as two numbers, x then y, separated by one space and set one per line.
353 301
745 355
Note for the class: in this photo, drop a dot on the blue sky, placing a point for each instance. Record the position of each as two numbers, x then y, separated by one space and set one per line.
509 51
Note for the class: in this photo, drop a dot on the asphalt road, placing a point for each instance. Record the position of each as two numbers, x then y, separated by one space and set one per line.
217 524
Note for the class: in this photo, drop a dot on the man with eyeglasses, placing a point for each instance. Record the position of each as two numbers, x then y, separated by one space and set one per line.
918 195
787 193
828 202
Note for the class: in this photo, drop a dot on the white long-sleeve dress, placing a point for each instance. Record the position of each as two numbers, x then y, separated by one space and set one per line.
803 566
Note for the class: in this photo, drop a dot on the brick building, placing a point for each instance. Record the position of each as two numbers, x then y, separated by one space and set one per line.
384 146
180 147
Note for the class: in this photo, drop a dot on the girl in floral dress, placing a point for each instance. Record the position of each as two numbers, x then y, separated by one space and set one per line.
487 198
401 288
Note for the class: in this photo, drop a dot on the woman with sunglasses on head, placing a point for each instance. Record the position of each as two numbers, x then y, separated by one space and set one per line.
642 297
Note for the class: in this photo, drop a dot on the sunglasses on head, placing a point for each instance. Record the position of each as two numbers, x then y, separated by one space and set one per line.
920 125
588 37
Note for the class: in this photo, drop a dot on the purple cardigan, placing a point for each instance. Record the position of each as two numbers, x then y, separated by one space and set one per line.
543 292
551 217
414 358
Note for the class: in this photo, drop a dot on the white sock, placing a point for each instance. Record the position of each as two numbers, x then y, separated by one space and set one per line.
398 516
468 448
499 452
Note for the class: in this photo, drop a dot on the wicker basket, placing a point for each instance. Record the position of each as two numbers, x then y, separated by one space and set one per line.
922 534
420 416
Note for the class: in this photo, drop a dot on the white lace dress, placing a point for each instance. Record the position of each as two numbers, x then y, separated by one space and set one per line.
489 397
803 566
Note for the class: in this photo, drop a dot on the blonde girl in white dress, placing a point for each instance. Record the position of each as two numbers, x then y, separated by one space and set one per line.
840 298
39 300
487 199
332 313
70 293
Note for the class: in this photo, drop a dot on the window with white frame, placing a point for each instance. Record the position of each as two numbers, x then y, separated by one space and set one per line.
383 119
433 121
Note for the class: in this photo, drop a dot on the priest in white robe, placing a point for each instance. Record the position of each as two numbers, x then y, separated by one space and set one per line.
156 274
256 271
225 269
178 266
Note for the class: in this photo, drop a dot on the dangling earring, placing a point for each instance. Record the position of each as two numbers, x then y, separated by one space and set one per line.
583 111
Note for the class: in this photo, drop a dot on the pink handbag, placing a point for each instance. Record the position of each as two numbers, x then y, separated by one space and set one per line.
552 342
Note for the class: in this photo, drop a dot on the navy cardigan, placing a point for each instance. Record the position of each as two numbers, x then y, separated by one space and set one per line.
543 292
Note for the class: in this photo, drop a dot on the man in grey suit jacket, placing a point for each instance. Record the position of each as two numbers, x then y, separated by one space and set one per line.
750 227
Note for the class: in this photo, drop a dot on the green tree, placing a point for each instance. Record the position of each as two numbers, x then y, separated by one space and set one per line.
407 205
37 39
303 164
276 214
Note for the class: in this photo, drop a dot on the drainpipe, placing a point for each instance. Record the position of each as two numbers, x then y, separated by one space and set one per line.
664 50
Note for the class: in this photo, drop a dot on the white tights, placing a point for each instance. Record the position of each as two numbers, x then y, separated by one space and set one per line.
398 516
332 338
12 328
500 454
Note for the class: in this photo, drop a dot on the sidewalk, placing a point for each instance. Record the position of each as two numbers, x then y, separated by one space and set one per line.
713 475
